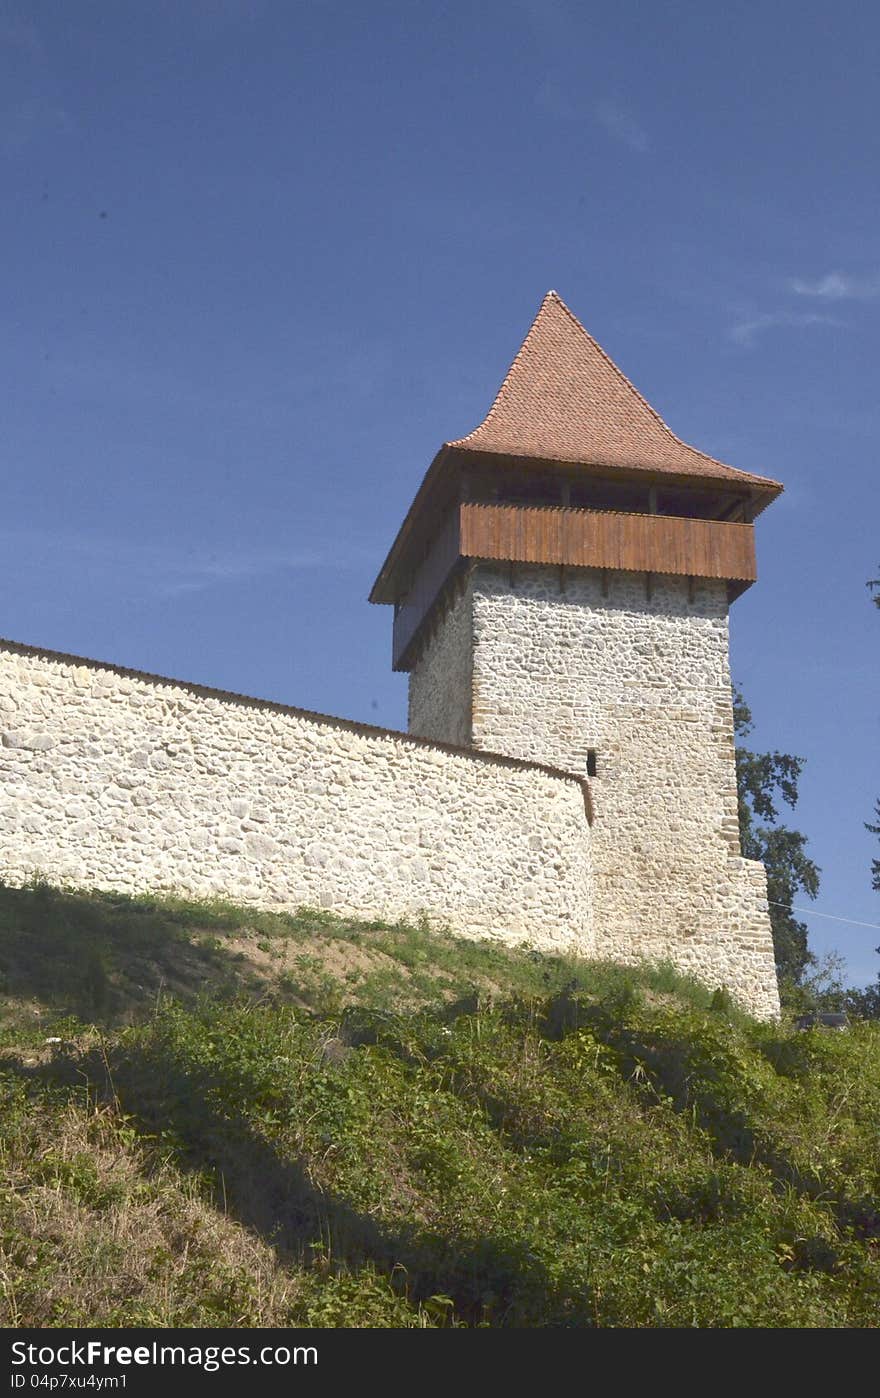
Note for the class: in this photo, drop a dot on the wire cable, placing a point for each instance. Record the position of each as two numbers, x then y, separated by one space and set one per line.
814 912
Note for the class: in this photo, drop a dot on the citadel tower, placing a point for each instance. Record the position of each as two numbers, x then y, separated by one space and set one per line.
561 586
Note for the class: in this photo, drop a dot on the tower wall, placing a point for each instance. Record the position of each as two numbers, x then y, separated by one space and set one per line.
562 668
441 685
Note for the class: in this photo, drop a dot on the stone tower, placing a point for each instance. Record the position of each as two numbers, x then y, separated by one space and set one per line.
561 587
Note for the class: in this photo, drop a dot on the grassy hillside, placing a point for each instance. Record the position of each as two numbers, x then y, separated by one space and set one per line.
212 1116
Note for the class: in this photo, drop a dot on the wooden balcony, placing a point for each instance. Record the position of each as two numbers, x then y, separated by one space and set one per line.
700 548
576 538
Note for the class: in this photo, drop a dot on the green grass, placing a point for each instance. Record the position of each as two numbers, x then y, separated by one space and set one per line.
108 959
386 1126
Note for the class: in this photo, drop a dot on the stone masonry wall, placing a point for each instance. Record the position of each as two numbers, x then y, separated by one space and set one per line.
562 666
441 684
117 780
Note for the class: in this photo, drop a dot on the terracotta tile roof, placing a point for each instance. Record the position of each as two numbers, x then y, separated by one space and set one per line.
565 400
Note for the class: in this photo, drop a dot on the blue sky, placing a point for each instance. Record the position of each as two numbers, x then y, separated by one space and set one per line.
261 257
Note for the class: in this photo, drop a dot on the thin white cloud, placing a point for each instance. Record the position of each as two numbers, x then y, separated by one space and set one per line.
746 330
551 23
30 105
328 368
622 125
220 15
198 574
20 34
31 120
555 98
159 568
838 286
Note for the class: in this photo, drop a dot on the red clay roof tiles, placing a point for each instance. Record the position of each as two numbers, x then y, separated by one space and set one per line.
564 400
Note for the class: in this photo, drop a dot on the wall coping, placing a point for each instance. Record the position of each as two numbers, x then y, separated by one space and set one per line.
496 759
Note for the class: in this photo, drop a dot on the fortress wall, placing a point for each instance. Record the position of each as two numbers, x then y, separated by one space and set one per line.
565 665
118 780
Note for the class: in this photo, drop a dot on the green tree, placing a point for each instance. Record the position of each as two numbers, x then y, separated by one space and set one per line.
763 779
875 863
867 1002
874 585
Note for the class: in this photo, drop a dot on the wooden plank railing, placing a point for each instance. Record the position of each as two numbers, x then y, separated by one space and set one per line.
702 548
577 538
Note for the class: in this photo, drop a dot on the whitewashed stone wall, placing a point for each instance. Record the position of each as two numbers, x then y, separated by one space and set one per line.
441 685
115 780
561 666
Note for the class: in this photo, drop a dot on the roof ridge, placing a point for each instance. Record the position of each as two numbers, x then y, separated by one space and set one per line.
553 296
460 441
679 441
625 377
502 400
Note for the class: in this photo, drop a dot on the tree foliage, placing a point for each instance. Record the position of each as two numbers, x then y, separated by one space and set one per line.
875 863
867 1002
874 585
763 779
